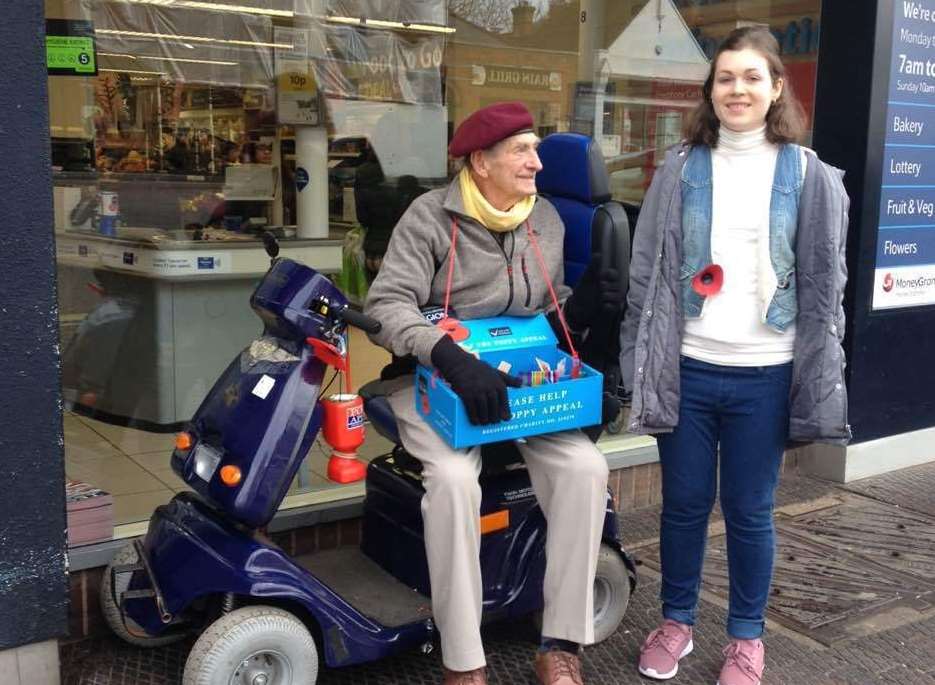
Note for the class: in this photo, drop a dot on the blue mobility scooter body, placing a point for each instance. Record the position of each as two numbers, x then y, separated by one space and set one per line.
205 553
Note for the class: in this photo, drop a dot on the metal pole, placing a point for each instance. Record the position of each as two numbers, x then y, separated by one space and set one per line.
211 167
311 172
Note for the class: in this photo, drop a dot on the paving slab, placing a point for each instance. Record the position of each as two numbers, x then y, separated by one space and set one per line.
894 536
910 488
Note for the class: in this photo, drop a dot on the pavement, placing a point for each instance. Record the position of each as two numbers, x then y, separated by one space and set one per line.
852 603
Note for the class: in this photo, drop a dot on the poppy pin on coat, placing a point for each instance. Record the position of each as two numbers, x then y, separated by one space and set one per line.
709 280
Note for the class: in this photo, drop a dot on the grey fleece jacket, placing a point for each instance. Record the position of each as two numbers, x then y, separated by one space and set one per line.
490 278
651 334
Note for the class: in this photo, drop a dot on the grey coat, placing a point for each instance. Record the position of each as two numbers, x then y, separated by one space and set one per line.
651 334
490 278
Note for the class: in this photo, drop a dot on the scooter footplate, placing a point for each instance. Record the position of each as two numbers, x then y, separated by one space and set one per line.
368 588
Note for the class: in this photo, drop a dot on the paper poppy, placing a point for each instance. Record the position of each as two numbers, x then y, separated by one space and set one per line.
454 329
709 280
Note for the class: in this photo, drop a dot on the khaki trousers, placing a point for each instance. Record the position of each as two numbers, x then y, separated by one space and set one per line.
569 477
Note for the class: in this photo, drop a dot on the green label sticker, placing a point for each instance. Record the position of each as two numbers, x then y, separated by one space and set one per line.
70 53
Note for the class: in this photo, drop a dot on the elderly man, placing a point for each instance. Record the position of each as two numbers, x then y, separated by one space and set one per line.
491 206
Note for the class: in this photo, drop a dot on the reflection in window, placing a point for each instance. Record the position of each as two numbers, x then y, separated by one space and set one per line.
185 142
652 65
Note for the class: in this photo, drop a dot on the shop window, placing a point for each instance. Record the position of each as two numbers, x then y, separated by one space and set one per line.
177 134
182 130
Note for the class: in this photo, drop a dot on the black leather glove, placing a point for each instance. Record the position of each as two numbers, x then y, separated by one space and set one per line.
481 387
597 293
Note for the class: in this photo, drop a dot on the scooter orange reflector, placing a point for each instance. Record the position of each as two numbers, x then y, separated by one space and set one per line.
231 475
183 441
491 523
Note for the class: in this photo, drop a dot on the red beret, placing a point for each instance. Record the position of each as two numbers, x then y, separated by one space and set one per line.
489 126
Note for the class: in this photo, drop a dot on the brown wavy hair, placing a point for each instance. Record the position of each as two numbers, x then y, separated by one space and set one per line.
785 119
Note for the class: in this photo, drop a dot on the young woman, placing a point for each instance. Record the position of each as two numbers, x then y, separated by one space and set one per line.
732 337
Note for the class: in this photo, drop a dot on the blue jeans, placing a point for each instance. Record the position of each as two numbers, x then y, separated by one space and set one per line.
743 413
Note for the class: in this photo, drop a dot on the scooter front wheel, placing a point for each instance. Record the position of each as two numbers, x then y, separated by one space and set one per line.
123 626
255 644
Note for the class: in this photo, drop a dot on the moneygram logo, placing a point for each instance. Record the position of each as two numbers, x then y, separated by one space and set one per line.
900 284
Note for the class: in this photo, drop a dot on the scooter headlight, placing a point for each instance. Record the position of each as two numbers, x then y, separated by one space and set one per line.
205 461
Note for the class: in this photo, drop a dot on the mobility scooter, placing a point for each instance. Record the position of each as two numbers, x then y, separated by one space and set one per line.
264 617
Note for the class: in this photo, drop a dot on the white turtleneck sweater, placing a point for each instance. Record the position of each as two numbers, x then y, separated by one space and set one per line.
732 329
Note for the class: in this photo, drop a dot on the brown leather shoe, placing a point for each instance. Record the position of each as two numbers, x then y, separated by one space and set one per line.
556 667
476 677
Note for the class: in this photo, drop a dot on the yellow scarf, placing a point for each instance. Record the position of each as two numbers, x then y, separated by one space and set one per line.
477 207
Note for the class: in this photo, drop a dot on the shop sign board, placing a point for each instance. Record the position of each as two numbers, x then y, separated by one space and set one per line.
70 48
905 254
166 263
160 263
380 66
297 99
350 63
191 263
509 77
77 252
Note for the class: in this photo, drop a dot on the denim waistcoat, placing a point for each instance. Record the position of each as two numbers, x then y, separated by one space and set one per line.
696 188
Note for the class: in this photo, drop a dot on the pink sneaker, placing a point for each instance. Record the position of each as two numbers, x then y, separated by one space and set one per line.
660 654
743 663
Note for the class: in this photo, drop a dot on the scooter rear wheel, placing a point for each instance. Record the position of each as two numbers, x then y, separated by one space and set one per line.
124 627
255 644
611 594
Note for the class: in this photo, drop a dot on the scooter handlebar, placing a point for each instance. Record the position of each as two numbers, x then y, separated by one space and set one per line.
359 320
